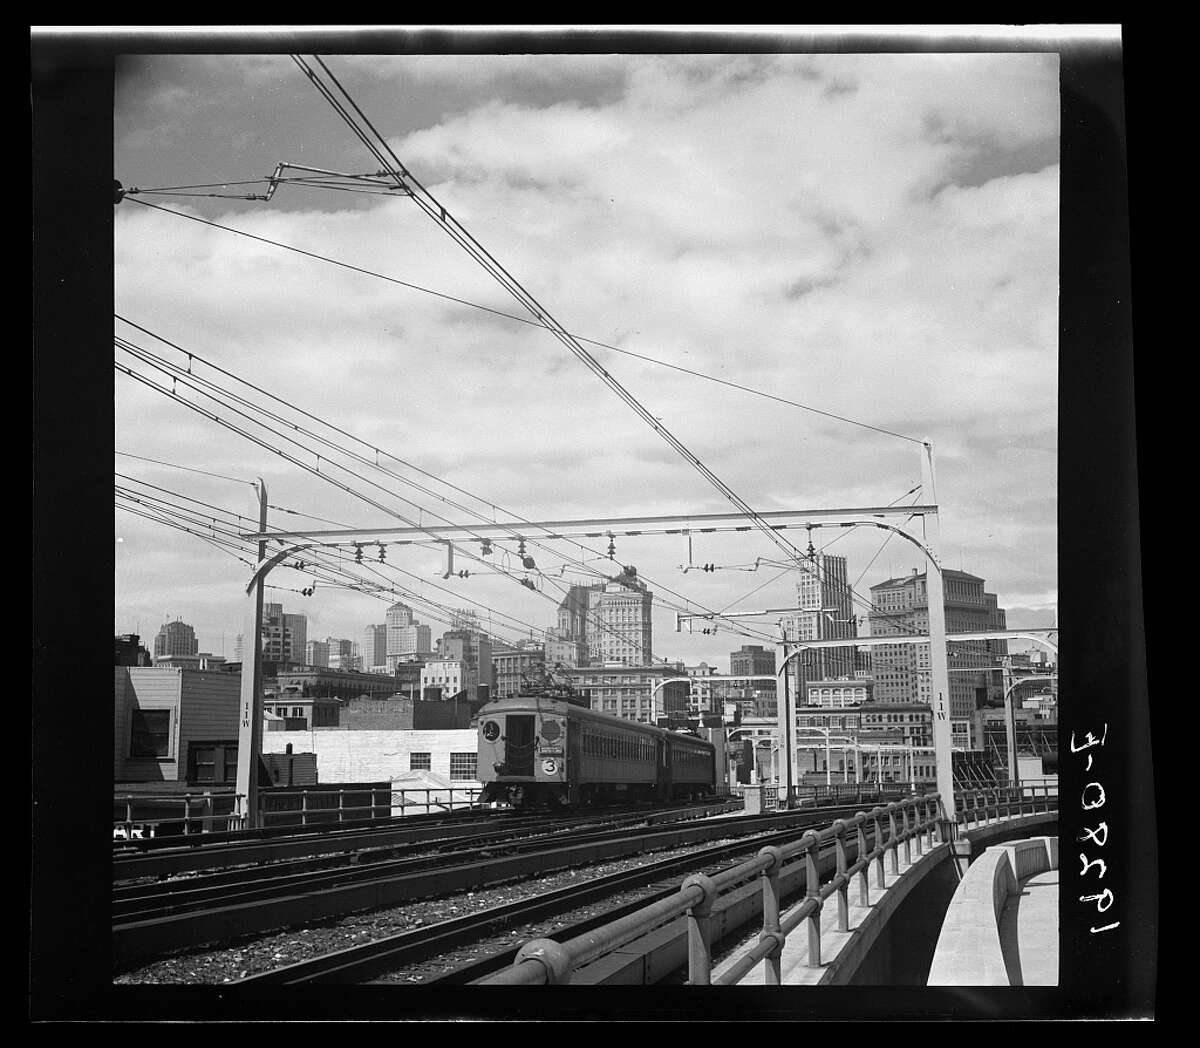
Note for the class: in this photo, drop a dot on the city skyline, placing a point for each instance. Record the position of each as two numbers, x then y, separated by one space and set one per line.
872 235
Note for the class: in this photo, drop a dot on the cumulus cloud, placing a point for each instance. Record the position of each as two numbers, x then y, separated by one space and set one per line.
790 223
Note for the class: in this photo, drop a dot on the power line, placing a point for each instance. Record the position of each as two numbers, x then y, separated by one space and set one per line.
190 469
189 377
531 322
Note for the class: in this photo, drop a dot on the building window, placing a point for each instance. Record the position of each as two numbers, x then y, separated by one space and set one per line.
151 734
419 762
463 766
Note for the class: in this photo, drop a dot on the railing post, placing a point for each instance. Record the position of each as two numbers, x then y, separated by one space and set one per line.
341 801
895 844
129 817
772 974
699 926
916 830
880 881
187 814
812 890
843 891
931 822
304 807
864 882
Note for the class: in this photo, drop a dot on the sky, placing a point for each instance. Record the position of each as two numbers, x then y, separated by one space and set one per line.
874 236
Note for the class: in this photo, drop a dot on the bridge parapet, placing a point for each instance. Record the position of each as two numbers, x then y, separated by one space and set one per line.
972 949
709 903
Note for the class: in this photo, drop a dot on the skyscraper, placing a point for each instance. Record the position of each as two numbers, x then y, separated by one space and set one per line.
284 636
374 646
902 671
619 625
176 638
824 611
611 619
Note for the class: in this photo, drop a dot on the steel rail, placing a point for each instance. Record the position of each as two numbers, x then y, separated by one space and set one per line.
144 902
134 939
356 962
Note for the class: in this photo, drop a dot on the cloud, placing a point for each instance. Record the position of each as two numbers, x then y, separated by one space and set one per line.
790 223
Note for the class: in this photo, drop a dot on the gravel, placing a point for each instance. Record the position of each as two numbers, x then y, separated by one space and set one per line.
247 956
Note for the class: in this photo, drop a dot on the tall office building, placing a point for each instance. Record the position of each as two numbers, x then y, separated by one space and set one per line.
407 639
373 646
175 638
824 611
473 649
296 628
902 671
316 653
619 625
757 698
284 636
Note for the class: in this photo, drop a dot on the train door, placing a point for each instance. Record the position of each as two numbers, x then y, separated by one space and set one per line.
518 744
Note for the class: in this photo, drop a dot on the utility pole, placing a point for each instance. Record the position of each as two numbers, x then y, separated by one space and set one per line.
787 724
939 671
1010 720
250 728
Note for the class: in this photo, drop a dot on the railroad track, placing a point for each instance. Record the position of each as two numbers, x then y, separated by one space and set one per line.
261 908
136 902
369 961
272 847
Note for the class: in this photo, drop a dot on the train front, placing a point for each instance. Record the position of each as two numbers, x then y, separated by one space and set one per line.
523 752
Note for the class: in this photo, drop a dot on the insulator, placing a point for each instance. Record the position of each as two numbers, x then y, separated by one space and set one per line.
382 552
358 554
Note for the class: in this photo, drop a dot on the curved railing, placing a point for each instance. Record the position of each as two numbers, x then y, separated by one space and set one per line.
971 948
908 823
975 807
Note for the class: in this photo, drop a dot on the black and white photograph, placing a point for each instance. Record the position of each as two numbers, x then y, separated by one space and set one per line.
595 523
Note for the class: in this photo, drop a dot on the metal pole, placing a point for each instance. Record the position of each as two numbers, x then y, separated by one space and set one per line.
939 671
828 759
1010 720
787 727
250 729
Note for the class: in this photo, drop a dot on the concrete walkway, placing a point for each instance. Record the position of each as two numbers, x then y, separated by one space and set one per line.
1030 923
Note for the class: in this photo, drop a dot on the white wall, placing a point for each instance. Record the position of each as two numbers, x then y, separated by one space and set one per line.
374 755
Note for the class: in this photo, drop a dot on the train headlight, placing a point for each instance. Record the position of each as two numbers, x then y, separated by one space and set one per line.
491 731
551 730
549 766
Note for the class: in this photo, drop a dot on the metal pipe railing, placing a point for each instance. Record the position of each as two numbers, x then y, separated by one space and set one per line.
545 961
213 814
211 807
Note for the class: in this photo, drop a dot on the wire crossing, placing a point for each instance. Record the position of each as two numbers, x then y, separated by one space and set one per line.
457 232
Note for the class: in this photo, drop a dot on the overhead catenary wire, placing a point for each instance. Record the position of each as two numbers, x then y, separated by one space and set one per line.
320 566
190 469
438 212
189 378
533 322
